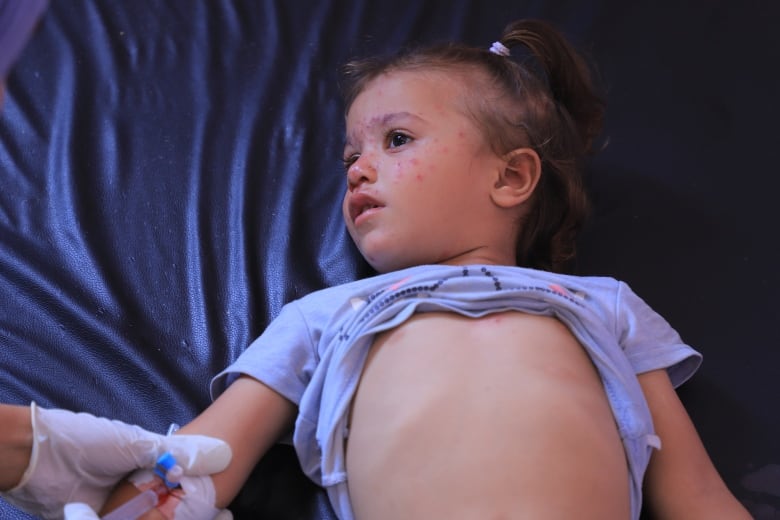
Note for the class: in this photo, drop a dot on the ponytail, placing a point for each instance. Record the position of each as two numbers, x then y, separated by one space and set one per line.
562 130
566 73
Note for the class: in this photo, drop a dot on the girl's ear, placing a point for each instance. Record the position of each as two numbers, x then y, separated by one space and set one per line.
518 180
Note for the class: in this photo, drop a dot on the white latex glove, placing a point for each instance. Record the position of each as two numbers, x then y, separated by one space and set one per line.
77 457
196 504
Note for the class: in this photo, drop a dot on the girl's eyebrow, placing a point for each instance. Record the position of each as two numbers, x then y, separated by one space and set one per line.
392 117
385 120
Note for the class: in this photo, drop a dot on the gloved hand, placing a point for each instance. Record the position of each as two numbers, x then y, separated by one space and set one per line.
77 457
193 501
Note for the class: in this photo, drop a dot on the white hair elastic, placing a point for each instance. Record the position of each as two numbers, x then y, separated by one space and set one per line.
499 48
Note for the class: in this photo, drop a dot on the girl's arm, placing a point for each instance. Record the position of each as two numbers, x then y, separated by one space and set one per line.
250 417
681 480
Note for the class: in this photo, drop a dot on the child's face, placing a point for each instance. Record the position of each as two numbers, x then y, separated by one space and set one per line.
419 173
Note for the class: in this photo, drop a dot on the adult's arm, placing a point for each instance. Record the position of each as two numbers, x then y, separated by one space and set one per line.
49 457
16 440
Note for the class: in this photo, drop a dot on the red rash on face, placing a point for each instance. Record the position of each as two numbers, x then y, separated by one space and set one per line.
422 183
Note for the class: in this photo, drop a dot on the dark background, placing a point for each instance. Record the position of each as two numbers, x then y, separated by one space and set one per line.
170 176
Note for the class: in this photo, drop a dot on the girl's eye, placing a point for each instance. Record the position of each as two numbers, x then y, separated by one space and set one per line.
396 139
349 161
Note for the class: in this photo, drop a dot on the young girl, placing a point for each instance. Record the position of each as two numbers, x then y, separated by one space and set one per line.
456 384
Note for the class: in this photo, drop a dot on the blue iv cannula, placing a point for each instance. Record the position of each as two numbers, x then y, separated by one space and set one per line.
170 473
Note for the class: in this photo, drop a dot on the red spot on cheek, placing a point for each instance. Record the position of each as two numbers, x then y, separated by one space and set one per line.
416 164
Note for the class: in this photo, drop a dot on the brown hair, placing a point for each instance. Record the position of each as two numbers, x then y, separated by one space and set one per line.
543 98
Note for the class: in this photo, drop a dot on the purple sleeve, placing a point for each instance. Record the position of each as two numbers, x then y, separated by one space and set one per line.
648 340
283 357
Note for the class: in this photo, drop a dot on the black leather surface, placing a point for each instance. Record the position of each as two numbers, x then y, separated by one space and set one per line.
170 176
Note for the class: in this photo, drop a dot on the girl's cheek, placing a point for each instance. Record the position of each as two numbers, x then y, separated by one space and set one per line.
413 169
400 171
417 169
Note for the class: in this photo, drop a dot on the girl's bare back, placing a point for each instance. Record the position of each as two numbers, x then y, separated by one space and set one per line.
498 417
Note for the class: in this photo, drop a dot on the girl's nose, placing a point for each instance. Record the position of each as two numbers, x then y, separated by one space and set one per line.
359 172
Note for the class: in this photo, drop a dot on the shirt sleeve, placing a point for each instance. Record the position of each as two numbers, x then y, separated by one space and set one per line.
648 340
283 357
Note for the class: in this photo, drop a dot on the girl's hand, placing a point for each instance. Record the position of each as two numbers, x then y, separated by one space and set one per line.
194 500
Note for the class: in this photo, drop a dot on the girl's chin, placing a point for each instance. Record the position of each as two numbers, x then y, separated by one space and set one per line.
387 264
382 263
384 254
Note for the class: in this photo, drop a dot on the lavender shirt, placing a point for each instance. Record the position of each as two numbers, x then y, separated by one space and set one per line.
313 353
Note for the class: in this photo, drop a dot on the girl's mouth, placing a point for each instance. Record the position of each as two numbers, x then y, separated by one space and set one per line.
362 205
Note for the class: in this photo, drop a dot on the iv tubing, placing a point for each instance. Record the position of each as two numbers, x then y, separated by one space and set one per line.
134 507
